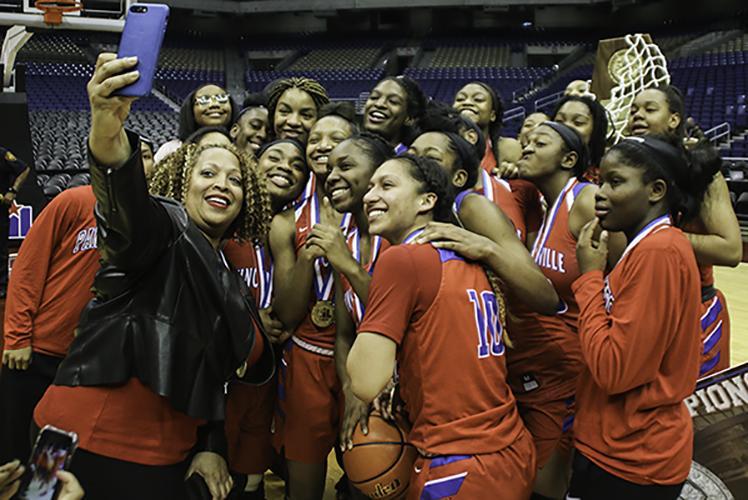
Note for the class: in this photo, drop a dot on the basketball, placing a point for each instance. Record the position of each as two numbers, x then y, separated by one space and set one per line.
379 464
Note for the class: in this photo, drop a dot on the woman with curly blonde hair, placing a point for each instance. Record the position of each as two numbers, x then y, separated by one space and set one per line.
171 323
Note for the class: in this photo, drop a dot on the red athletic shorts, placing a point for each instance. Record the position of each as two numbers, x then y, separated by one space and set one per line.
507 474
715 335
249 420
310 402
550 423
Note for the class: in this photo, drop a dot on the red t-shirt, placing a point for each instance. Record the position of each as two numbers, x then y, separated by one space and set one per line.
52 276
128 422
443 315
640 338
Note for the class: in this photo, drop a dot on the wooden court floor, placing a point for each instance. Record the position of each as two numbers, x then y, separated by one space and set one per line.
734 284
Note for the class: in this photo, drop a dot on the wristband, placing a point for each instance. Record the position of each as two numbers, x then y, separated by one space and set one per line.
12 190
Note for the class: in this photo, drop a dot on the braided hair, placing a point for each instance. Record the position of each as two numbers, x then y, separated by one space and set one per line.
275 90
172 180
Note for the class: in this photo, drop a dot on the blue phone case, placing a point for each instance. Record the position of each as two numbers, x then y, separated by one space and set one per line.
142 37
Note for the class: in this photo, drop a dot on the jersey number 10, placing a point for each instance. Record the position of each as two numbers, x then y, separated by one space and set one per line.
490 331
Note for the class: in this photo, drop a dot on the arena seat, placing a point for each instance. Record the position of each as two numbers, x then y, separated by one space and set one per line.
350 58
340 83
741 206
55 47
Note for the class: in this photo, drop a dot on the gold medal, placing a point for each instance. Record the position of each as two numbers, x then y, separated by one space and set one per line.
323 314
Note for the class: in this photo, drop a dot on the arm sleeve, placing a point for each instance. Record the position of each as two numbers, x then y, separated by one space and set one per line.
393 295
624 349
30 270
133 228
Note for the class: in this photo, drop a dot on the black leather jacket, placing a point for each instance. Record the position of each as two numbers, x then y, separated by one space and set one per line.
167 309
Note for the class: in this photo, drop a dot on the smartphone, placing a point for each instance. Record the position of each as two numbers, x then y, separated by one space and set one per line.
52 452
145 27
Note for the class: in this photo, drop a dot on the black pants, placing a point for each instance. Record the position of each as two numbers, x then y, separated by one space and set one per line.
20 391
590 482
105 478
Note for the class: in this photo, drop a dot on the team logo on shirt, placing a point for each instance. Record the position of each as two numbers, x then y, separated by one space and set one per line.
251 276
550 259
86 240
608 296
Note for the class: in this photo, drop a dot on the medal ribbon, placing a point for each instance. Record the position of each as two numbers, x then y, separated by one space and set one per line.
650 228
265 277
311 185
550 218
356 306
323 278
412 236
487 187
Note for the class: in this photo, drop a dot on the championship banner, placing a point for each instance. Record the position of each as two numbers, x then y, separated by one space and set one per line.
719 408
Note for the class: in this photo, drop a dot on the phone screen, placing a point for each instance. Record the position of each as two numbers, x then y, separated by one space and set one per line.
52 452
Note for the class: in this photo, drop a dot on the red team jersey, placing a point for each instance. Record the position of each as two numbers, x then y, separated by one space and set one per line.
639 334
499 192
254 264
715 325
488 162
546 357
528 200
442 313
307 215
249 408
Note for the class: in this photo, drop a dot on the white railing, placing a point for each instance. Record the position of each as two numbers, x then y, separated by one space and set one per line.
718 133
548 100
514 114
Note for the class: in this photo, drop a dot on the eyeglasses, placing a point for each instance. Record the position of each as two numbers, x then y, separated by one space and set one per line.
205 100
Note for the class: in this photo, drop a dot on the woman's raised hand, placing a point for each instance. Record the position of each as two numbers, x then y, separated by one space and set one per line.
108 141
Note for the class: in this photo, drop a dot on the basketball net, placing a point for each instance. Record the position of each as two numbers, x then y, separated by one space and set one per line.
633 69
